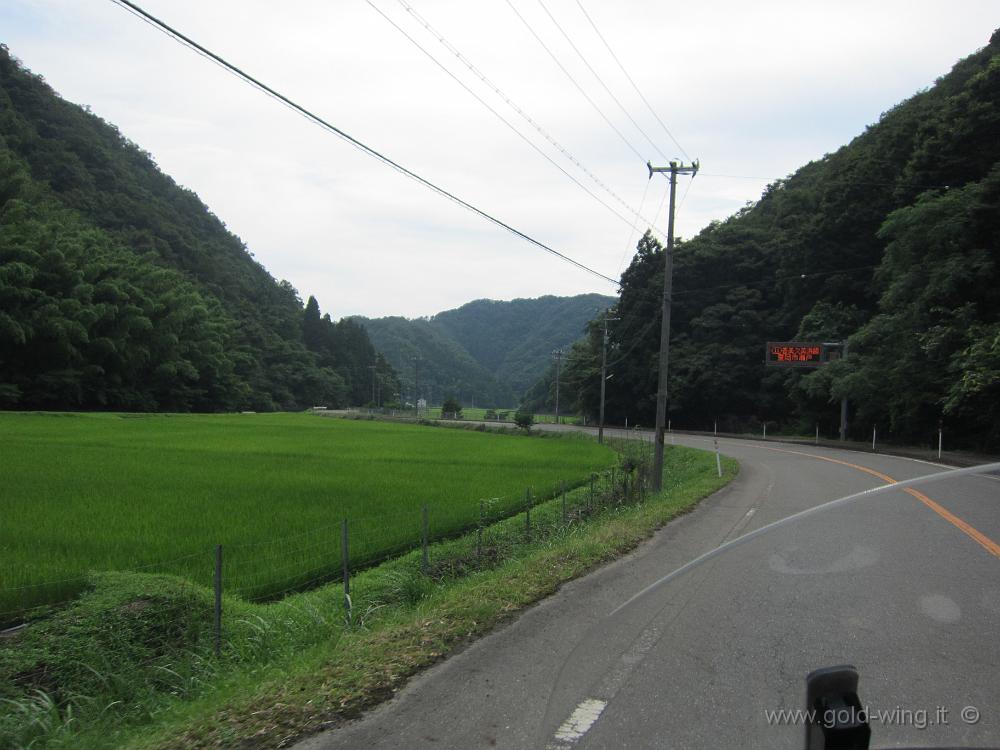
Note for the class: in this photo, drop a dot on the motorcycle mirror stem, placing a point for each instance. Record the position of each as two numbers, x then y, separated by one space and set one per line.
835 719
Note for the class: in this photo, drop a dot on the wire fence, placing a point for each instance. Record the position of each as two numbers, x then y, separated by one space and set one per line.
270 569
154 634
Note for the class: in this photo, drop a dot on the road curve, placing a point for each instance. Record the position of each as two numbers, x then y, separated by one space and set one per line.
906 586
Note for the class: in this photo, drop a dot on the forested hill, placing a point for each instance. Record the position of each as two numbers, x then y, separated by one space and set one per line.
515 339
121 290
892 241
487 352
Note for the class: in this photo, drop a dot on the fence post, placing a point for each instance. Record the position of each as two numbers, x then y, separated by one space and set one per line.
218 599
527 514
479 533
423 540
344 555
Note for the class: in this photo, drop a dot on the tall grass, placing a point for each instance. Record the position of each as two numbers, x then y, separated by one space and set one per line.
156 493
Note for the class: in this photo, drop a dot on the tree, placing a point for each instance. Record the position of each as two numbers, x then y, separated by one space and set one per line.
121 290
524 420
889 242
452 407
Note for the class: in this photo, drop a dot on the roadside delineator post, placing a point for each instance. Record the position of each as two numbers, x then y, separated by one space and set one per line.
718 461
873 437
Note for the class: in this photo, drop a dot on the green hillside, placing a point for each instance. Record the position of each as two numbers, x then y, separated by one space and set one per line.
444 368
515 339
892 241
121 290
487 352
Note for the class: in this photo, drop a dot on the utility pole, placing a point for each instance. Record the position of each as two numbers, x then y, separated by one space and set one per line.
604 376
557 353
674 169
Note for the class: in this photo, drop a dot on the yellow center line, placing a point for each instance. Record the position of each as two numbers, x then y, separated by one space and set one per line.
972 532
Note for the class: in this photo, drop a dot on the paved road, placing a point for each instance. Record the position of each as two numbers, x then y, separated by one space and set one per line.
905 586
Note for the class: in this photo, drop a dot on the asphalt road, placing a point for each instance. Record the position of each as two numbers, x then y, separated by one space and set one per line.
904 586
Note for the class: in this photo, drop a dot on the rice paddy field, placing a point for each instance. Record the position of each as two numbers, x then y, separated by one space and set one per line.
157 493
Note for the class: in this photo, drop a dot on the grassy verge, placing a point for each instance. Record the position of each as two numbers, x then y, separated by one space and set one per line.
129 663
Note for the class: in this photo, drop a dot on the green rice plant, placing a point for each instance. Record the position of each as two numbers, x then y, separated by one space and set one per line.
157 493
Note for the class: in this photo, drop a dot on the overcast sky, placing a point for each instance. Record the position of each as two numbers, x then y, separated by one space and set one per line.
753 90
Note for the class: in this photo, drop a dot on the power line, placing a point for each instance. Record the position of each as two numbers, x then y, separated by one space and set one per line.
827 182
630 80
637 338
316 119
686 191
631 235
577 85
496 89
497 114
601 80
636 341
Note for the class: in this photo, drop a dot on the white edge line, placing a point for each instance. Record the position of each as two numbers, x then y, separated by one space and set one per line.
578 723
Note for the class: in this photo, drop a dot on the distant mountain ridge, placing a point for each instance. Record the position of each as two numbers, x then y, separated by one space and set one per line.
486 351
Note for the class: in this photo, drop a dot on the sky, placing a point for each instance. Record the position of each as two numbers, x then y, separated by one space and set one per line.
751 90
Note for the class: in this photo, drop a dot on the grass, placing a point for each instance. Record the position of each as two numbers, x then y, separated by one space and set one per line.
129 663
85 492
